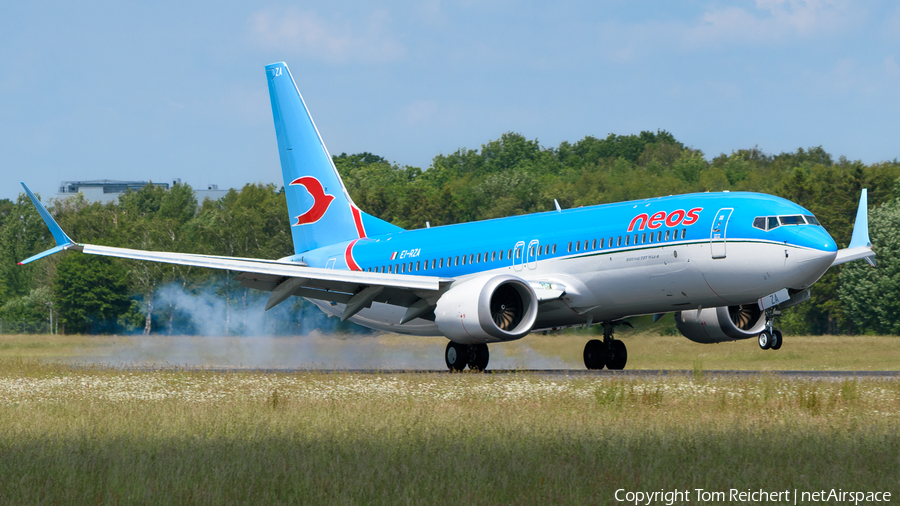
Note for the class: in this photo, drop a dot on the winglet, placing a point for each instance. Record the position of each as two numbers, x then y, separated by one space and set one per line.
62 240
860 235
860 246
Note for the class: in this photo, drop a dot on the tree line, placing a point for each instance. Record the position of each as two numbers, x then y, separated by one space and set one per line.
507 176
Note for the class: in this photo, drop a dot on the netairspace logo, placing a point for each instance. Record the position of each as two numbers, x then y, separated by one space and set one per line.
700 495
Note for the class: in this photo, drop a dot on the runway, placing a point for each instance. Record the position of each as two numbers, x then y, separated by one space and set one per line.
575 373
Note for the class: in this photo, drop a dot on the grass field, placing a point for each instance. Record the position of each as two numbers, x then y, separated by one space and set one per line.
392 351
77 434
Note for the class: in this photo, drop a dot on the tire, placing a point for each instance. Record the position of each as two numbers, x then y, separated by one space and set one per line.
479 356
765 340
777 340
594 355
618 356
456 356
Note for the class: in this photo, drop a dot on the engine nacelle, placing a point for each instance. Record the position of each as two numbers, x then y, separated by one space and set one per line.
720 324
487 309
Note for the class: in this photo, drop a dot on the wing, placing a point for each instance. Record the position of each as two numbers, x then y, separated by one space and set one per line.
355 289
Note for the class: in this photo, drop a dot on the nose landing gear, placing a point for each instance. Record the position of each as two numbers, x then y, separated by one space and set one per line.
770 338
610 352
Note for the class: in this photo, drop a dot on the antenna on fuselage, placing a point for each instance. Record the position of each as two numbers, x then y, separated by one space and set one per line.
557 205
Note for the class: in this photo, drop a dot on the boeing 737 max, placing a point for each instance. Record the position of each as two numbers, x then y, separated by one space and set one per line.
723 263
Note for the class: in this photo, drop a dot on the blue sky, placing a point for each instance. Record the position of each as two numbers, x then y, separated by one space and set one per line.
159 90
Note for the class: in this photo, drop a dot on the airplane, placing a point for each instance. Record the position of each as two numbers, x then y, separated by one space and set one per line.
725 263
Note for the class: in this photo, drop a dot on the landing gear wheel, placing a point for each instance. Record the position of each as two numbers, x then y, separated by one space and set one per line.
618 355
594 355
776 339
765 340
478 357
456 356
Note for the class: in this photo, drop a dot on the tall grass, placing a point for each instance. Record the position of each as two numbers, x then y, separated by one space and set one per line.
95 435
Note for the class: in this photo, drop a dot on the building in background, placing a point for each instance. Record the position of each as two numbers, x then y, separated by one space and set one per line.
107 190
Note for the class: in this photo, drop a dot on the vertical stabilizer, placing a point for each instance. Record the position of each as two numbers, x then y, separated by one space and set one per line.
320 208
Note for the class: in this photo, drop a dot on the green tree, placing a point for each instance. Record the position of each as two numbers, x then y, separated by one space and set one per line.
871 296
90 293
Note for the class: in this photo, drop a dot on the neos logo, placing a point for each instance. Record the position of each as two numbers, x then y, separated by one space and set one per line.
321 201
673 219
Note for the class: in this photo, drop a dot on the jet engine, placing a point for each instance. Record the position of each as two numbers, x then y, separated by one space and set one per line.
487 309
720 324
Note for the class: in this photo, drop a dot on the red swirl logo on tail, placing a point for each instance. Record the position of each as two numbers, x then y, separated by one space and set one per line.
321 201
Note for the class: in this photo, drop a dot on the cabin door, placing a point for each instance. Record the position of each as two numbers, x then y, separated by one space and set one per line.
532 252
717 233
518 259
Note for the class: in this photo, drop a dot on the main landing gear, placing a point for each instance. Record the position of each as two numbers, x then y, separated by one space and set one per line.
609 352
769 337
458 356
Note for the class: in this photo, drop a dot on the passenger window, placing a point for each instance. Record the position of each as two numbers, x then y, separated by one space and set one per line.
465 259
455 263
643 237
636 238
493 256
659 236
586 242
472 258
509 254
601 243
618 241
417 266
478 259
594 244
569 249
627 239
577 246
650 236
518 253
403 269
501 254
554 249
683 233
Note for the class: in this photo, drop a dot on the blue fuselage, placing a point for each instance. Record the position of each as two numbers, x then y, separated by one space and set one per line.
615 260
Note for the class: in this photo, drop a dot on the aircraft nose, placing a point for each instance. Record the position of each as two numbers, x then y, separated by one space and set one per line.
817 252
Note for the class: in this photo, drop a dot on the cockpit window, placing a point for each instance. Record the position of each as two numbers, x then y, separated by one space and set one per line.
773 222
792 220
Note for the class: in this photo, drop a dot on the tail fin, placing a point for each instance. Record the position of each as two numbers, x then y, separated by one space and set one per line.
321 210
